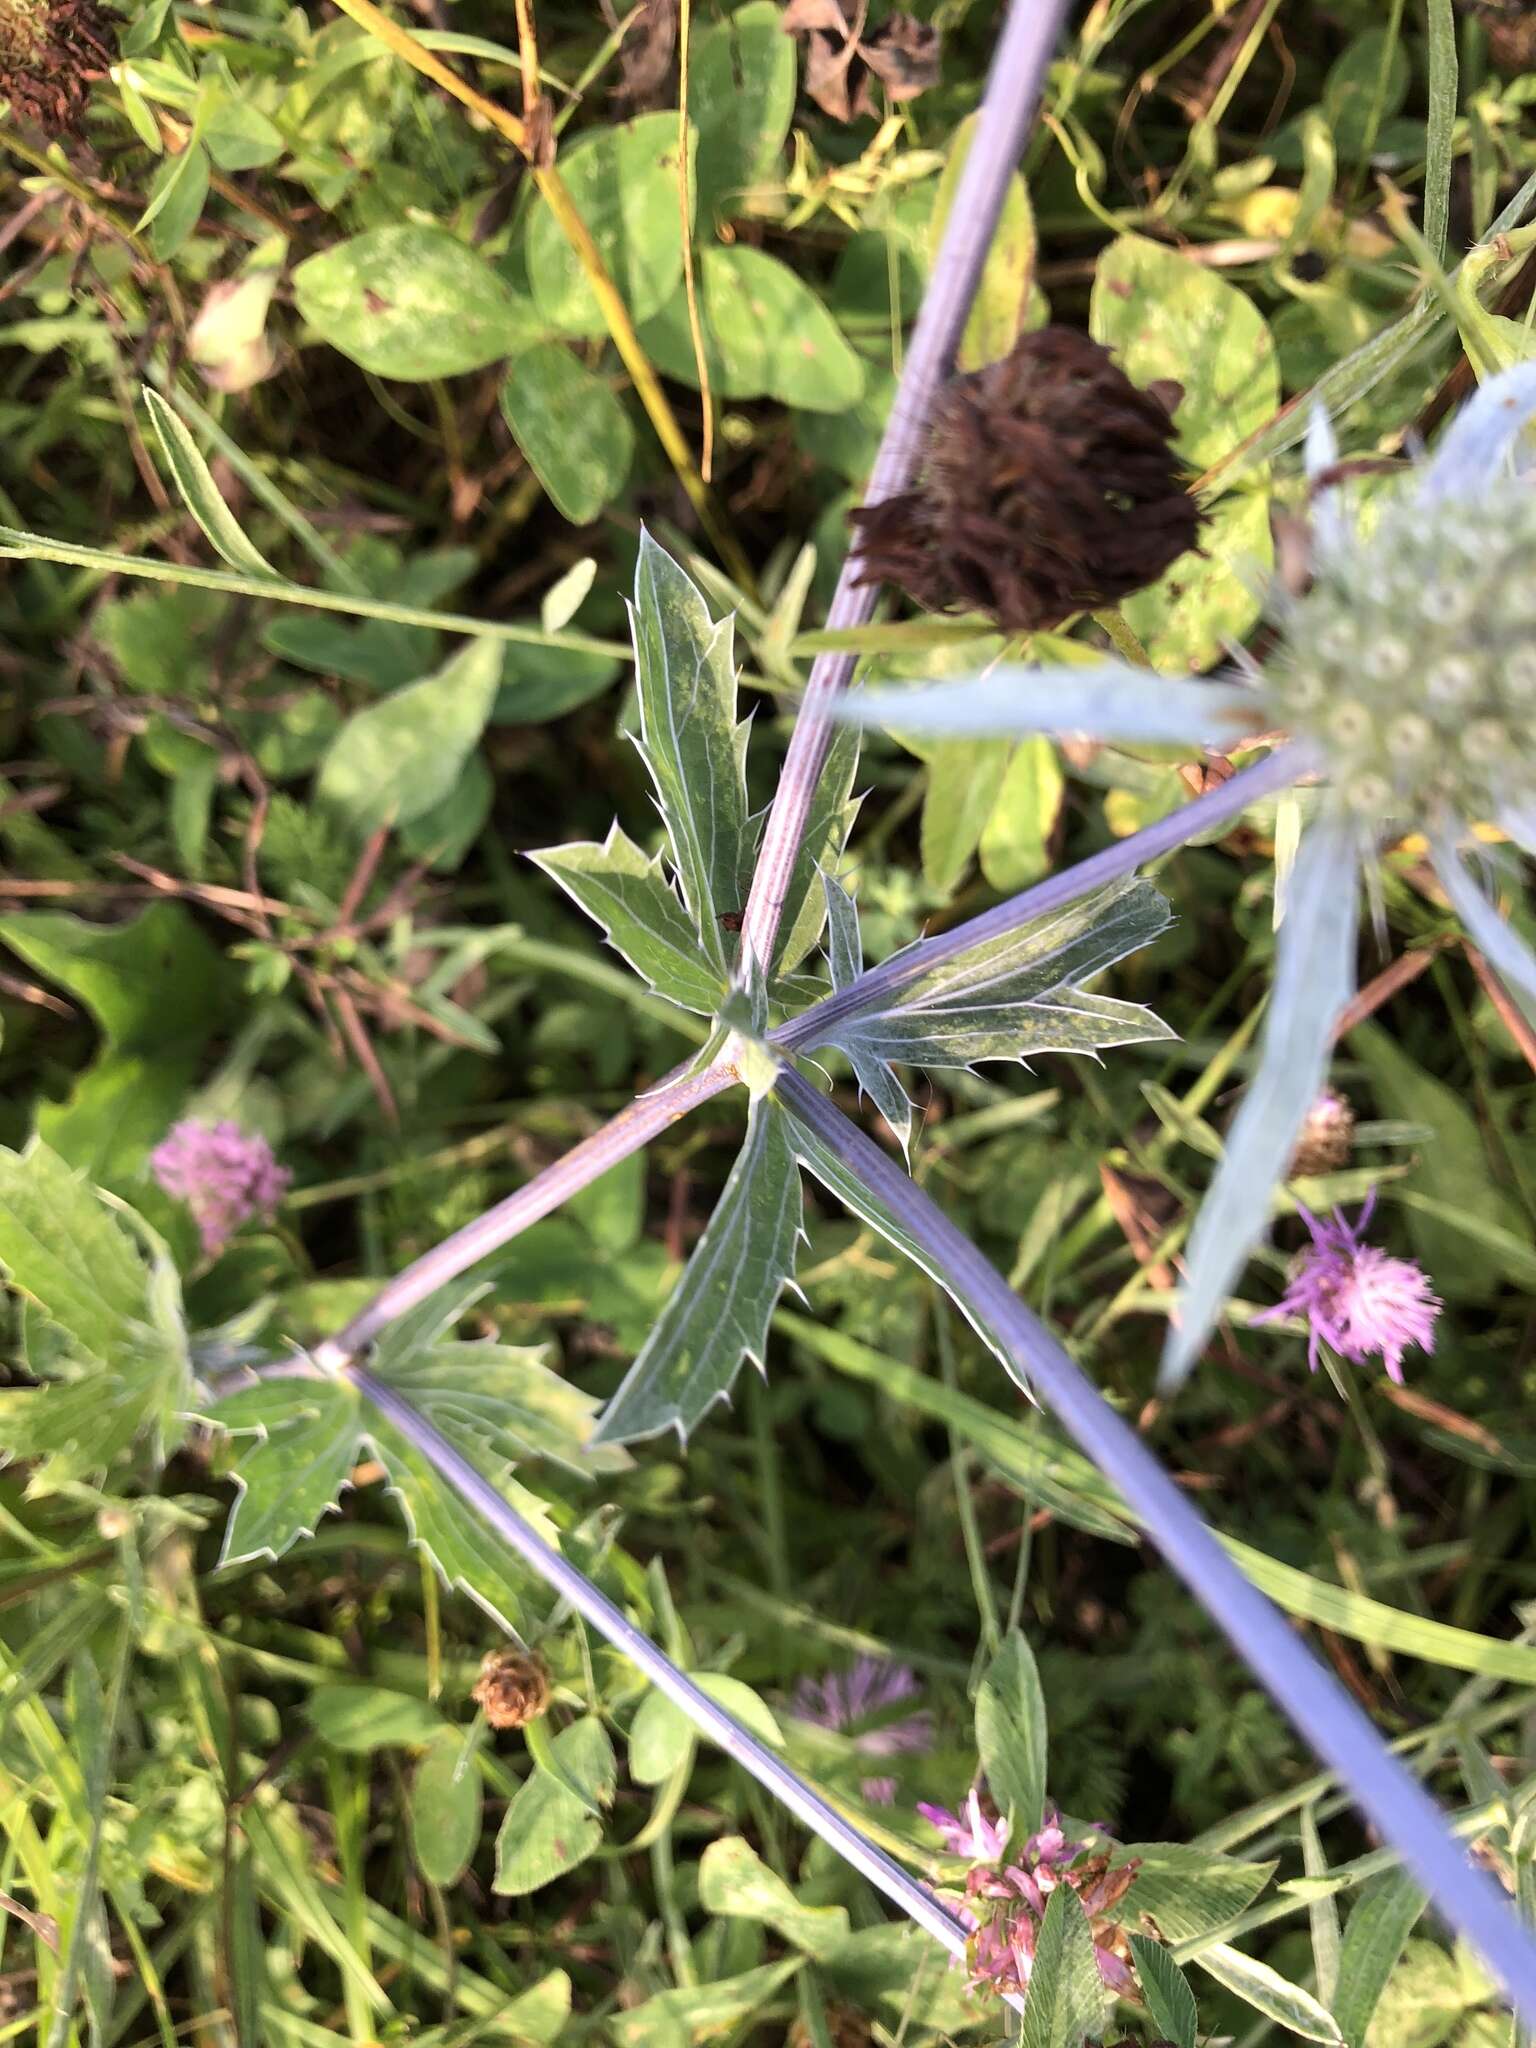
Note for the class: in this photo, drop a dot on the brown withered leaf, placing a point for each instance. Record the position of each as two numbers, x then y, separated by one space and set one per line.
843 58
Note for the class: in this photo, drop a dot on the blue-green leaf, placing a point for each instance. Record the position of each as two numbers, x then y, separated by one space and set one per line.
845 957
296 1466
1314 977
639 912
1108 702
1016 994
691 743
1507 952
719 1312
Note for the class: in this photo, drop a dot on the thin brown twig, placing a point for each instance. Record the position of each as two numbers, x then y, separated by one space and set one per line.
1510 1015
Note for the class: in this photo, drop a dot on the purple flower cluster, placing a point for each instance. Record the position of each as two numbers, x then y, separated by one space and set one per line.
868 1692
223 1174
1006 1902
1358 1300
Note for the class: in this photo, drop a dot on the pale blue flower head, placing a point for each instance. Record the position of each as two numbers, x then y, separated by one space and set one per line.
1406 676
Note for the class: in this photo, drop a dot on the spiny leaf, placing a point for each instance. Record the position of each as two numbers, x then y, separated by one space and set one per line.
690 742
833 810
719 1311
295 1470
1016 994
845 958
631 898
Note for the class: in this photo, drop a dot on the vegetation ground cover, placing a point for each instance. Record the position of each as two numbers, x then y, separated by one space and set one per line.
341 466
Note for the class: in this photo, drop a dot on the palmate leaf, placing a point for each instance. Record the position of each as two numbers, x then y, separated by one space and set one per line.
638 909
297 1442
1017 994
719 1311
691 743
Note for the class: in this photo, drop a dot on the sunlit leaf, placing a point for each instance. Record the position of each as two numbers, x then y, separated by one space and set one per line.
691 742
200 494
412 301
394 760
1377 1930
1270 1993
1015 995
293 1468
1011 1734
547 1830
638 909
735 1882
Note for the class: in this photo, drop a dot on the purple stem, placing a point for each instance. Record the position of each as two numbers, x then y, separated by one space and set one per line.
1263 778
723 1729
633 1127
1007 113
1323 1713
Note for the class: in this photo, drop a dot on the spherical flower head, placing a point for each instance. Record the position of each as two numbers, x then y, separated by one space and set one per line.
867 1692
1411 663
1007 1905
1360 1301
223 1174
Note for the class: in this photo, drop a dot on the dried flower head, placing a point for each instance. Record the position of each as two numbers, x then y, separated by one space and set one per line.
862 1702
1361 1302
223 1174
512 1689
1510 26
1049 486
1005 1903
50 51
1326 1138
843 58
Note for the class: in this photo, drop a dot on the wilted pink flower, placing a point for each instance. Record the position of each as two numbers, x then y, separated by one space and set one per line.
976 1837
1360 1301
223 1174
1006 1905
868 1690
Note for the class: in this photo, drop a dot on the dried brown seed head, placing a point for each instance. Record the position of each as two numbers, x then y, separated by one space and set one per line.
50 51
1326 1138
512 1689
1049 486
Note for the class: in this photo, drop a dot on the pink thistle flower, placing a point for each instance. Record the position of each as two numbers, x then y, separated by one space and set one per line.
868 1691
223 1174
1359 1300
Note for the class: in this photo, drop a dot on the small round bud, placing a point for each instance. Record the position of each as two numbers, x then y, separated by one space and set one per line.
512 1689
1389 660
1410 737
1369 795
1520 673
1486 741
1350 724
1445 602
1453 680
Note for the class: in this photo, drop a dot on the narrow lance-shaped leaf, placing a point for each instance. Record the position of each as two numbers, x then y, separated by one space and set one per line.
833 810
845 958
1016 994
1382 1919
718 1313
1011 1734
200 494
1507 952
637 907
1270 1993
1111 702
1170 2002
690 741
1314 978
